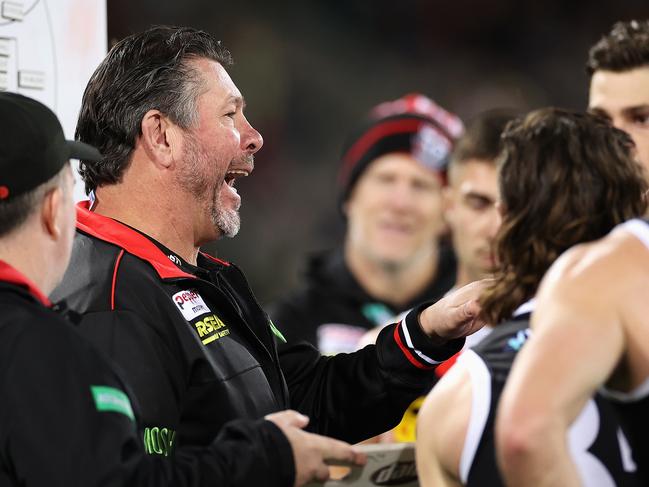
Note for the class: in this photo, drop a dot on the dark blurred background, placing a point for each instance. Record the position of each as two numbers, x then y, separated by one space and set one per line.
311 70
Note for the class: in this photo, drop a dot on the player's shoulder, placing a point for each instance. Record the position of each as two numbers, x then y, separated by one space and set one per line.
619 256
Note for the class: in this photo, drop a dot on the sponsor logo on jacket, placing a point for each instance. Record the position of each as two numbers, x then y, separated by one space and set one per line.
211 328
190 304
159 441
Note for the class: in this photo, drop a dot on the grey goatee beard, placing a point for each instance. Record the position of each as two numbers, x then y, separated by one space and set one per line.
192 178
226 220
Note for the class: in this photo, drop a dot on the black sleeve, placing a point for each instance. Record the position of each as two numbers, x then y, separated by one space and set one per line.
70 423
244 454
358 395
292 321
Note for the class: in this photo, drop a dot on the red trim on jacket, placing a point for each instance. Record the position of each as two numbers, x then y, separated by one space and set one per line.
215 259
112 288
411 358
133 242
446 365
10 274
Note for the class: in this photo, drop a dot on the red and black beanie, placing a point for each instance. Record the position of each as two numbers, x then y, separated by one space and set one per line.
414 124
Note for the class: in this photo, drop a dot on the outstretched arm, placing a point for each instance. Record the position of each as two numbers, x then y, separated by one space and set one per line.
359 395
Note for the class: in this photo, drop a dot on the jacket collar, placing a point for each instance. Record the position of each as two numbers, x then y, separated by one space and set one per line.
11 275
131 241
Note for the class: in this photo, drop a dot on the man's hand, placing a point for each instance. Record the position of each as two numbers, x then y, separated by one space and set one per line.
311 451
456 314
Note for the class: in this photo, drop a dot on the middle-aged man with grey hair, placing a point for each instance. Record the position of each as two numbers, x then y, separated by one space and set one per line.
195 346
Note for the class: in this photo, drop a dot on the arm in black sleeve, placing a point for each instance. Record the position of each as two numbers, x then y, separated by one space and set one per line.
295 325
149 358
359 395
245 453
68 422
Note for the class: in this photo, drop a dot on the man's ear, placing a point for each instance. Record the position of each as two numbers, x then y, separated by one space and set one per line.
160 138
50 213
448 203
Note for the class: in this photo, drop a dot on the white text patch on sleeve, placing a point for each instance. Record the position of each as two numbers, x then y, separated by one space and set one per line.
190 304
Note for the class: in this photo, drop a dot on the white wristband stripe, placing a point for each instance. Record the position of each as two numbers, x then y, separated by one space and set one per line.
406 334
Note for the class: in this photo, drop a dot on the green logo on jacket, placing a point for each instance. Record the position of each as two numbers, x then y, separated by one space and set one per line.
159 441
276 332
113 400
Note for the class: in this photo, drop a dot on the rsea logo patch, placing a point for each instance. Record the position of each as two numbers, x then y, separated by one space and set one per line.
211 328
190 304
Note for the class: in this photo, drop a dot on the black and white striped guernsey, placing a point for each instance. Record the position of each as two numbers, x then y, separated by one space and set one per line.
597 444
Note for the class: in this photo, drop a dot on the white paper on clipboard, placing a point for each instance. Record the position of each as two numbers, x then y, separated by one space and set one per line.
390 464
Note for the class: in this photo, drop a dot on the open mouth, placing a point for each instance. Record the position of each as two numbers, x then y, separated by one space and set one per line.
232 175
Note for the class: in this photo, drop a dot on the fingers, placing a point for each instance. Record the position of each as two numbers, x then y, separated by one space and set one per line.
288 418
339 451
470 310
469 292
312 452
322 473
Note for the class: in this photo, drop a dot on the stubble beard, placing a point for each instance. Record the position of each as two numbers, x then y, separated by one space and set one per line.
193 178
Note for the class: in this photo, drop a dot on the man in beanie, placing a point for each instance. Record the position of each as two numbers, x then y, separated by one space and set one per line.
392 259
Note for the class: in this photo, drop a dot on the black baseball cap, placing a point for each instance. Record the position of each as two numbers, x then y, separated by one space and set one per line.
33 148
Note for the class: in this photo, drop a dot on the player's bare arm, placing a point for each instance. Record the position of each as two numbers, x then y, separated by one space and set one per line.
577 342
439 443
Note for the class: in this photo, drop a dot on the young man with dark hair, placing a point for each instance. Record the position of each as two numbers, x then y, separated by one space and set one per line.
591 183
471 195
391 259
618 66
185 328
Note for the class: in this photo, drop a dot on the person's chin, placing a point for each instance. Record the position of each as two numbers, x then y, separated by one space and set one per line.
228 223
393 257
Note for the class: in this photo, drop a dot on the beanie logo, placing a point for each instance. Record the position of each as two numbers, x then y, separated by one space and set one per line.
431 148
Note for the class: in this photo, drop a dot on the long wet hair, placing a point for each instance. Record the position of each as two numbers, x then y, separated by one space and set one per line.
564 178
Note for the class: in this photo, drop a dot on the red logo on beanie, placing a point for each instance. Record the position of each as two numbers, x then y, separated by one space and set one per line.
4 192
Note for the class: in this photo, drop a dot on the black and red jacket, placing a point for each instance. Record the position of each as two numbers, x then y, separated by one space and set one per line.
66 419
198 350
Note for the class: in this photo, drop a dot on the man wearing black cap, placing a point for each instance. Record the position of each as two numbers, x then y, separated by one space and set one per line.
390 183
66 418
198 349
61 404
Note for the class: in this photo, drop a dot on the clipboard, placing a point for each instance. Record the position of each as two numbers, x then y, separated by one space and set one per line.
390 464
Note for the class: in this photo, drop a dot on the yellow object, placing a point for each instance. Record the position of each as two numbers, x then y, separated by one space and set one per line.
405 431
